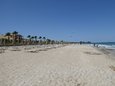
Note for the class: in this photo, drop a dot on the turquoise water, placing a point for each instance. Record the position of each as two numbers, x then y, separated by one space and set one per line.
106 43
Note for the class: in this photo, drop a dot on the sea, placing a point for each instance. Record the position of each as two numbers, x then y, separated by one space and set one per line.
107 45
106 48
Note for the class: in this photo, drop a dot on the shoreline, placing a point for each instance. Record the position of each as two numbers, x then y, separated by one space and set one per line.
109 52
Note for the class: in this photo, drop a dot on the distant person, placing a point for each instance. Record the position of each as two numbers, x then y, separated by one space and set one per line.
80 42
97 45
94 44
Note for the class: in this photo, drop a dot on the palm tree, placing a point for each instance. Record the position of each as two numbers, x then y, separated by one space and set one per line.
8 34
15 33
32 39
52 41
40 39
44 39
35 39
48 41
20 38
29 37
61 41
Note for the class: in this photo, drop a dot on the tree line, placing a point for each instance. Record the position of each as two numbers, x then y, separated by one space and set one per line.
14 38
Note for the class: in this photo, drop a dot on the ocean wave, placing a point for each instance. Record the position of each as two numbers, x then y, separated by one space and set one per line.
106 46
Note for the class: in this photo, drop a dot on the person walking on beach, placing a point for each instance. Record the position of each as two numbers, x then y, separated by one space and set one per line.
94 44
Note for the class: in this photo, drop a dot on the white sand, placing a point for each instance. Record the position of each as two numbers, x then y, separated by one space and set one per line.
73 65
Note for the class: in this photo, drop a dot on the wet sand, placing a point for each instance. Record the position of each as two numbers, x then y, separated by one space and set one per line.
109 52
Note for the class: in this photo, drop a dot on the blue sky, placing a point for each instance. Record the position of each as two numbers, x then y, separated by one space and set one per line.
71 20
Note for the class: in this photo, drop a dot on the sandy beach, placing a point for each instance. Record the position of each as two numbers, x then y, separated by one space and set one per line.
71 65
